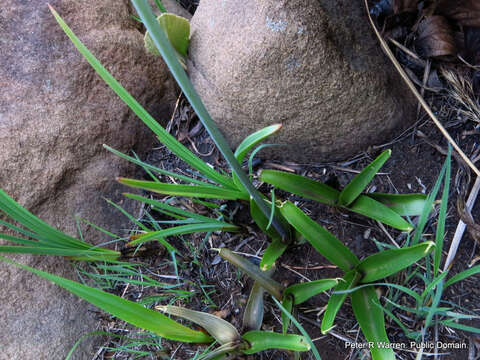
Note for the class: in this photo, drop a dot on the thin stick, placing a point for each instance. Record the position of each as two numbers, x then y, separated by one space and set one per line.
409 83
461 225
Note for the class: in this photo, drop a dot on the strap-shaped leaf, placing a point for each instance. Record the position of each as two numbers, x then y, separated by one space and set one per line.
163 206
373 209
402 204
177 29
301 186
126 310
265 340
262 221
304 291
349 281
389 262
369 314
221 330
200 191
253 139
287 303
463 275
180 230
276 249
361 180
322 240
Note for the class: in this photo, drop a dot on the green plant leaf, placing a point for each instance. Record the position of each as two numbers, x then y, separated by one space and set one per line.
168 54
168 140
265 340
350 279
389 262
360 181
154 168
177 29
369 314
46 234
270 285
262 221
402 204
272 253
301 186
463 275
126 310
209 192
304 291
76 254
221 330
322 240
287 303
376 210
180 230
172 209
253 139
442 216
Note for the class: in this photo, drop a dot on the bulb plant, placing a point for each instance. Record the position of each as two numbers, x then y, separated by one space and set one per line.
281 220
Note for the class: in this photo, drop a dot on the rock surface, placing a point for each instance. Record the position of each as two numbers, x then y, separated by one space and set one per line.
314 66
55 114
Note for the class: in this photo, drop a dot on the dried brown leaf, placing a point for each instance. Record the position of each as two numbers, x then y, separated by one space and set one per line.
435 38
466 12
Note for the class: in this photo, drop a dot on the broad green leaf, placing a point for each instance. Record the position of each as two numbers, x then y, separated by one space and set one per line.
125 310
301 186
304 291
376 210
201 191
265 340
253 314
287 303
221 330
442 216
350 279
272 253
168 54
369 314
463 275
389 262
361 180
168 140
322 240
270 285
402 204
262 221
253 139
177 29
180 230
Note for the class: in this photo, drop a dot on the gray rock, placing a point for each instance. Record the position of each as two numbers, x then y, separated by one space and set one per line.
314 66
55 114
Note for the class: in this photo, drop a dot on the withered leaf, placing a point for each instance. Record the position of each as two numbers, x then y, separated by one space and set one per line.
466 12
435 38
400 6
